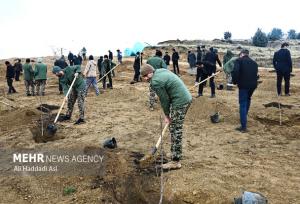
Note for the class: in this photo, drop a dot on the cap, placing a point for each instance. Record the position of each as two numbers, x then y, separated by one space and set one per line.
56 69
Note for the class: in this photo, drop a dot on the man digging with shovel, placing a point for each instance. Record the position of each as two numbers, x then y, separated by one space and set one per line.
78 90
175 100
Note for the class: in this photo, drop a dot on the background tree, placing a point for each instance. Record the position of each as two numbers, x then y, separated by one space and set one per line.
260 39
275 34
227 35
292 34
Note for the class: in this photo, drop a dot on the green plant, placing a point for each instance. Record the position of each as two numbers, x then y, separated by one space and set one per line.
69 190
275 34
227 35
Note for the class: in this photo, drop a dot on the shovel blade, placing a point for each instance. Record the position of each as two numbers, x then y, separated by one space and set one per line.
51 129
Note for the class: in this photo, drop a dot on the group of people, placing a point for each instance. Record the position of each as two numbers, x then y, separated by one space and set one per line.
35 76
175 98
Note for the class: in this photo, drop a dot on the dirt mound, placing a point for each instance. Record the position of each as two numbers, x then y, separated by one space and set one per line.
47 108
17 118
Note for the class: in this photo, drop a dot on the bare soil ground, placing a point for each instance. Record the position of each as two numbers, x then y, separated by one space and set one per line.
219 163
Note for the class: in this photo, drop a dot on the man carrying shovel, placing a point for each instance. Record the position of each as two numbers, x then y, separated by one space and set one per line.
175 101
78 90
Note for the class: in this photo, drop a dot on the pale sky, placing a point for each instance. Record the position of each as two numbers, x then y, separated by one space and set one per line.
32 28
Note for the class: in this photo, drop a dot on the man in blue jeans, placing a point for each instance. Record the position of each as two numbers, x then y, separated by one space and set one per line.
245 76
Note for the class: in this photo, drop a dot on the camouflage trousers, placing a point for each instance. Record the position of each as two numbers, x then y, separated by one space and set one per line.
176 127
79 96
40 87
152 99
28 84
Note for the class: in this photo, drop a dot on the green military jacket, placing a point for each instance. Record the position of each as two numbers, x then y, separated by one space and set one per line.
228 67
157 62
170 89
67 79
28 72
40 71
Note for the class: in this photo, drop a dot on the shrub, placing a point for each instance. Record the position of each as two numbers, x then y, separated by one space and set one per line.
260 39
227 35
275 34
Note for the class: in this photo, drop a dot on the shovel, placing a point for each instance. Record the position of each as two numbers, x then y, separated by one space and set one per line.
201 82
51 128
148 158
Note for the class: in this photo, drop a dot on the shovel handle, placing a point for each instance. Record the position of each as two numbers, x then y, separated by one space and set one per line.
108 73
66 97
160 138
201 82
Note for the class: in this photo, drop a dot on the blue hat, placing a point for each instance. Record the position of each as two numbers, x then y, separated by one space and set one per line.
56 69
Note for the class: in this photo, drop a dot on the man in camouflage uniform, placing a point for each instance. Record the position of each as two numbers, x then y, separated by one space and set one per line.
40 77
175 101
157 63
78 90
28 77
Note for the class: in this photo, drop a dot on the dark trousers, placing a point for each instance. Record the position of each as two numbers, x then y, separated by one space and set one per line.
286 78
175 65
17 75
109 79
59 86
245 102
201 75
136 74
11 89
71 62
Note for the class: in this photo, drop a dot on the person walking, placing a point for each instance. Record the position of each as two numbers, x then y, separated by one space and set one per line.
90 73
10 75
283 65
175 101
245 76
28 78
77 93
137 66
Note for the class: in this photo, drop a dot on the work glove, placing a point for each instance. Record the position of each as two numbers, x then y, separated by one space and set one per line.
76 74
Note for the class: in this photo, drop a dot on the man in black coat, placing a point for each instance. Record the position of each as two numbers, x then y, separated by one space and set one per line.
167 58
71 58
245 76
18 69
175 58
10 74
137 66
209 62
282 63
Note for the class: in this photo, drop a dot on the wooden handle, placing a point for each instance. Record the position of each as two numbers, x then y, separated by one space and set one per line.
107 73
201 82
162 134
66 97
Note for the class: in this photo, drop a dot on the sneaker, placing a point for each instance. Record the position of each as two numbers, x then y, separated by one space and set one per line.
213 96
242 130
65 117
29 94
79 121
171 165
287 94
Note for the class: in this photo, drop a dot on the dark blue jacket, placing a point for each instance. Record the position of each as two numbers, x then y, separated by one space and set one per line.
192 59
282 61
245 73
10 72
210 61
175 56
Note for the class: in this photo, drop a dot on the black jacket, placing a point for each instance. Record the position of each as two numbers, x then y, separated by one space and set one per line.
137 63
209 62
10 72
61 63
245 73
70 56
110 55
167 59
282 61
175 56
18 67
